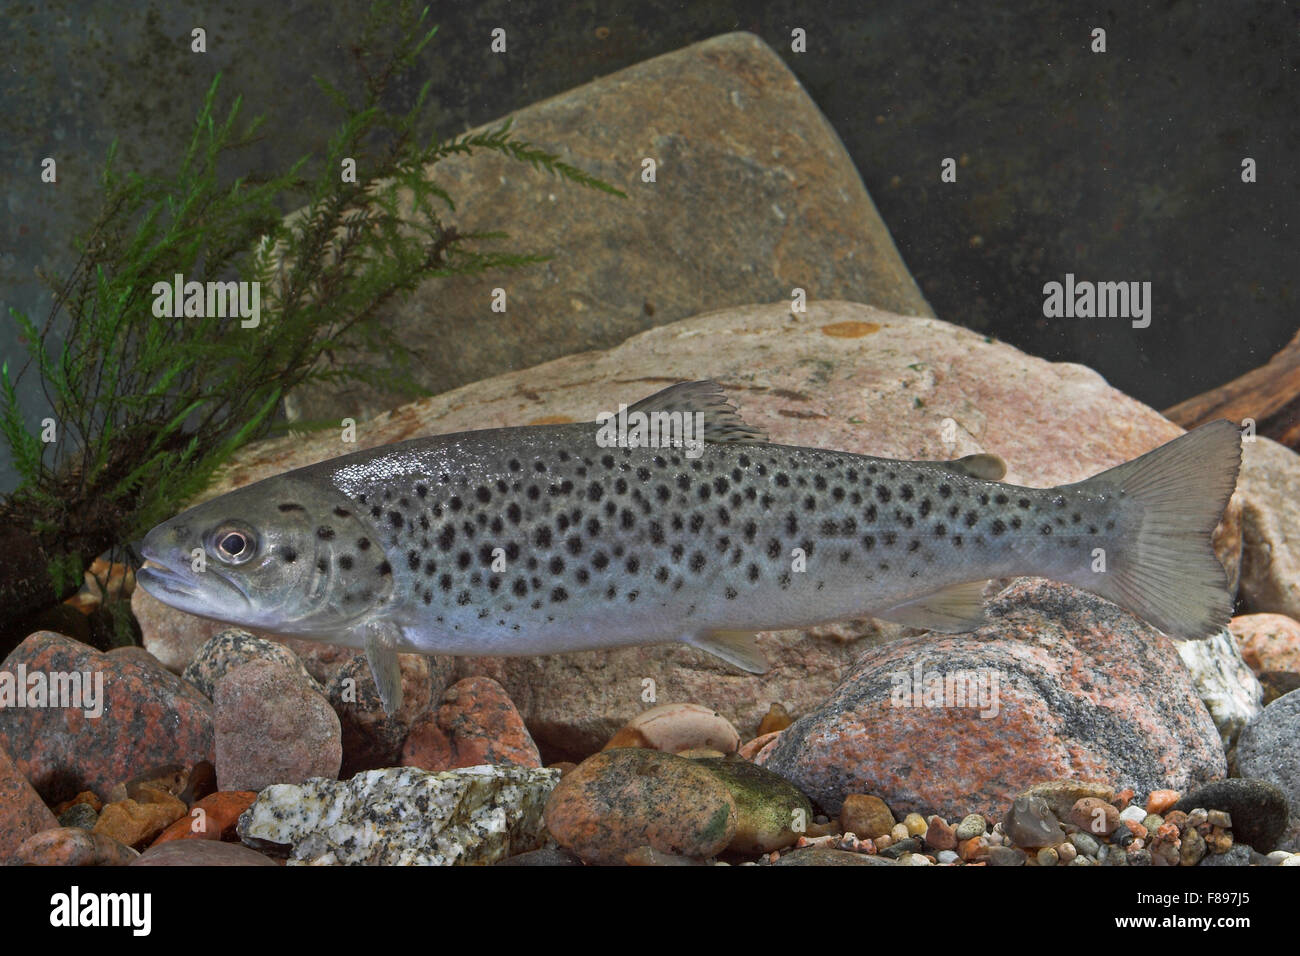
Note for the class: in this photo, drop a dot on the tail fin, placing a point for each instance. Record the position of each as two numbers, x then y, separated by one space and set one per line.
1167 573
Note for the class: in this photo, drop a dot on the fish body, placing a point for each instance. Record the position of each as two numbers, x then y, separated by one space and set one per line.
544 539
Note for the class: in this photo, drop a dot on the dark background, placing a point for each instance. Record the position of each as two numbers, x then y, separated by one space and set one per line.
1123 166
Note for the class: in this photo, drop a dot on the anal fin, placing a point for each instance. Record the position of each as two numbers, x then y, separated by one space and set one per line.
951 610
735 647
381 651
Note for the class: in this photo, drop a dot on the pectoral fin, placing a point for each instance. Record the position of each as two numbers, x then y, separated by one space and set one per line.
381 652
953 610
735 647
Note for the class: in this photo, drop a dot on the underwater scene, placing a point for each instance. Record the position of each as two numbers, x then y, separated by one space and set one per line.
650 434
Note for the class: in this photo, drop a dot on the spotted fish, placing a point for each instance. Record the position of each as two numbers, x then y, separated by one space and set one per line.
548 538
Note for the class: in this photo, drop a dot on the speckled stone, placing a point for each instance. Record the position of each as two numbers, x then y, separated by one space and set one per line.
151 717
233 647
621 799
81 815
768 807
1084 689
372 739
22 811
1269 489
73 846
273 726
201 853
404 816
1226 684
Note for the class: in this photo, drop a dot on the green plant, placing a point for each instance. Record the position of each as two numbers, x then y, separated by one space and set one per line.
146 407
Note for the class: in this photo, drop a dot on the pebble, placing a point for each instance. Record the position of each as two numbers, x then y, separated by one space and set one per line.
1031 823
866 815
201 853
916 824
73 846
1219 818
899 847
940 835
673 728
273 726
776 719
1094 815
768 807
948 856
1161 801
899 831
1153 821
1085 843
1048 856
214 817
1006 856
81 815
1133 813
1192 848
972 825
1066 852
1258 808
135 824
818 856
751 749
627 797
546 856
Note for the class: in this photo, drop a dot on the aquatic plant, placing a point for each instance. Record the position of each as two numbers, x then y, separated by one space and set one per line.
147 405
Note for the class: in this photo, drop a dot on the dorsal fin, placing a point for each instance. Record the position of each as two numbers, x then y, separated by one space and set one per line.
722 423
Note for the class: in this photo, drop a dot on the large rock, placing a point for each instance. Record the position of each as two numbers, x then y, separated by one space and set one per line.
841 376
1269 488
738 145
1058 684
1226 684
150 718
273 726
1267 751
22 812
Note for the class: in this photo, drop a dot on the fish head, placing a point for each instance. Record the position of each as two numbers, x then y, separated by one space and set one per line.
277 556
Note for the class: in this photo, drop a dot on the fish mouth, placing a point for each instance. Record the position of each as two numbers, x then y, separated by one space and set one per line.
209 594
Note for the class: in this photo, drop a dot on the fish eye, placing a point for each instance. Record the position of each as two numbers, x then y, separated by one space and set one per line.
234 544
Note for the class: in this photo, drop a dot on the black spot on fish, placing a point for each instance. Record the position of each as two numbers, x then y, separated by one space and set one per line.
601 560
343 512
883 493
287 554
345 562
1045 529
325 533
395 519
542 537
385 568
697 561
998 526
290 506
464 559
945 490
413 560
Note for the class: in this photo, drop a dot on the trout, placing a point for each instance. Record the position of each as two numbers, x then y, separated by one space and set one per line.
550 538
